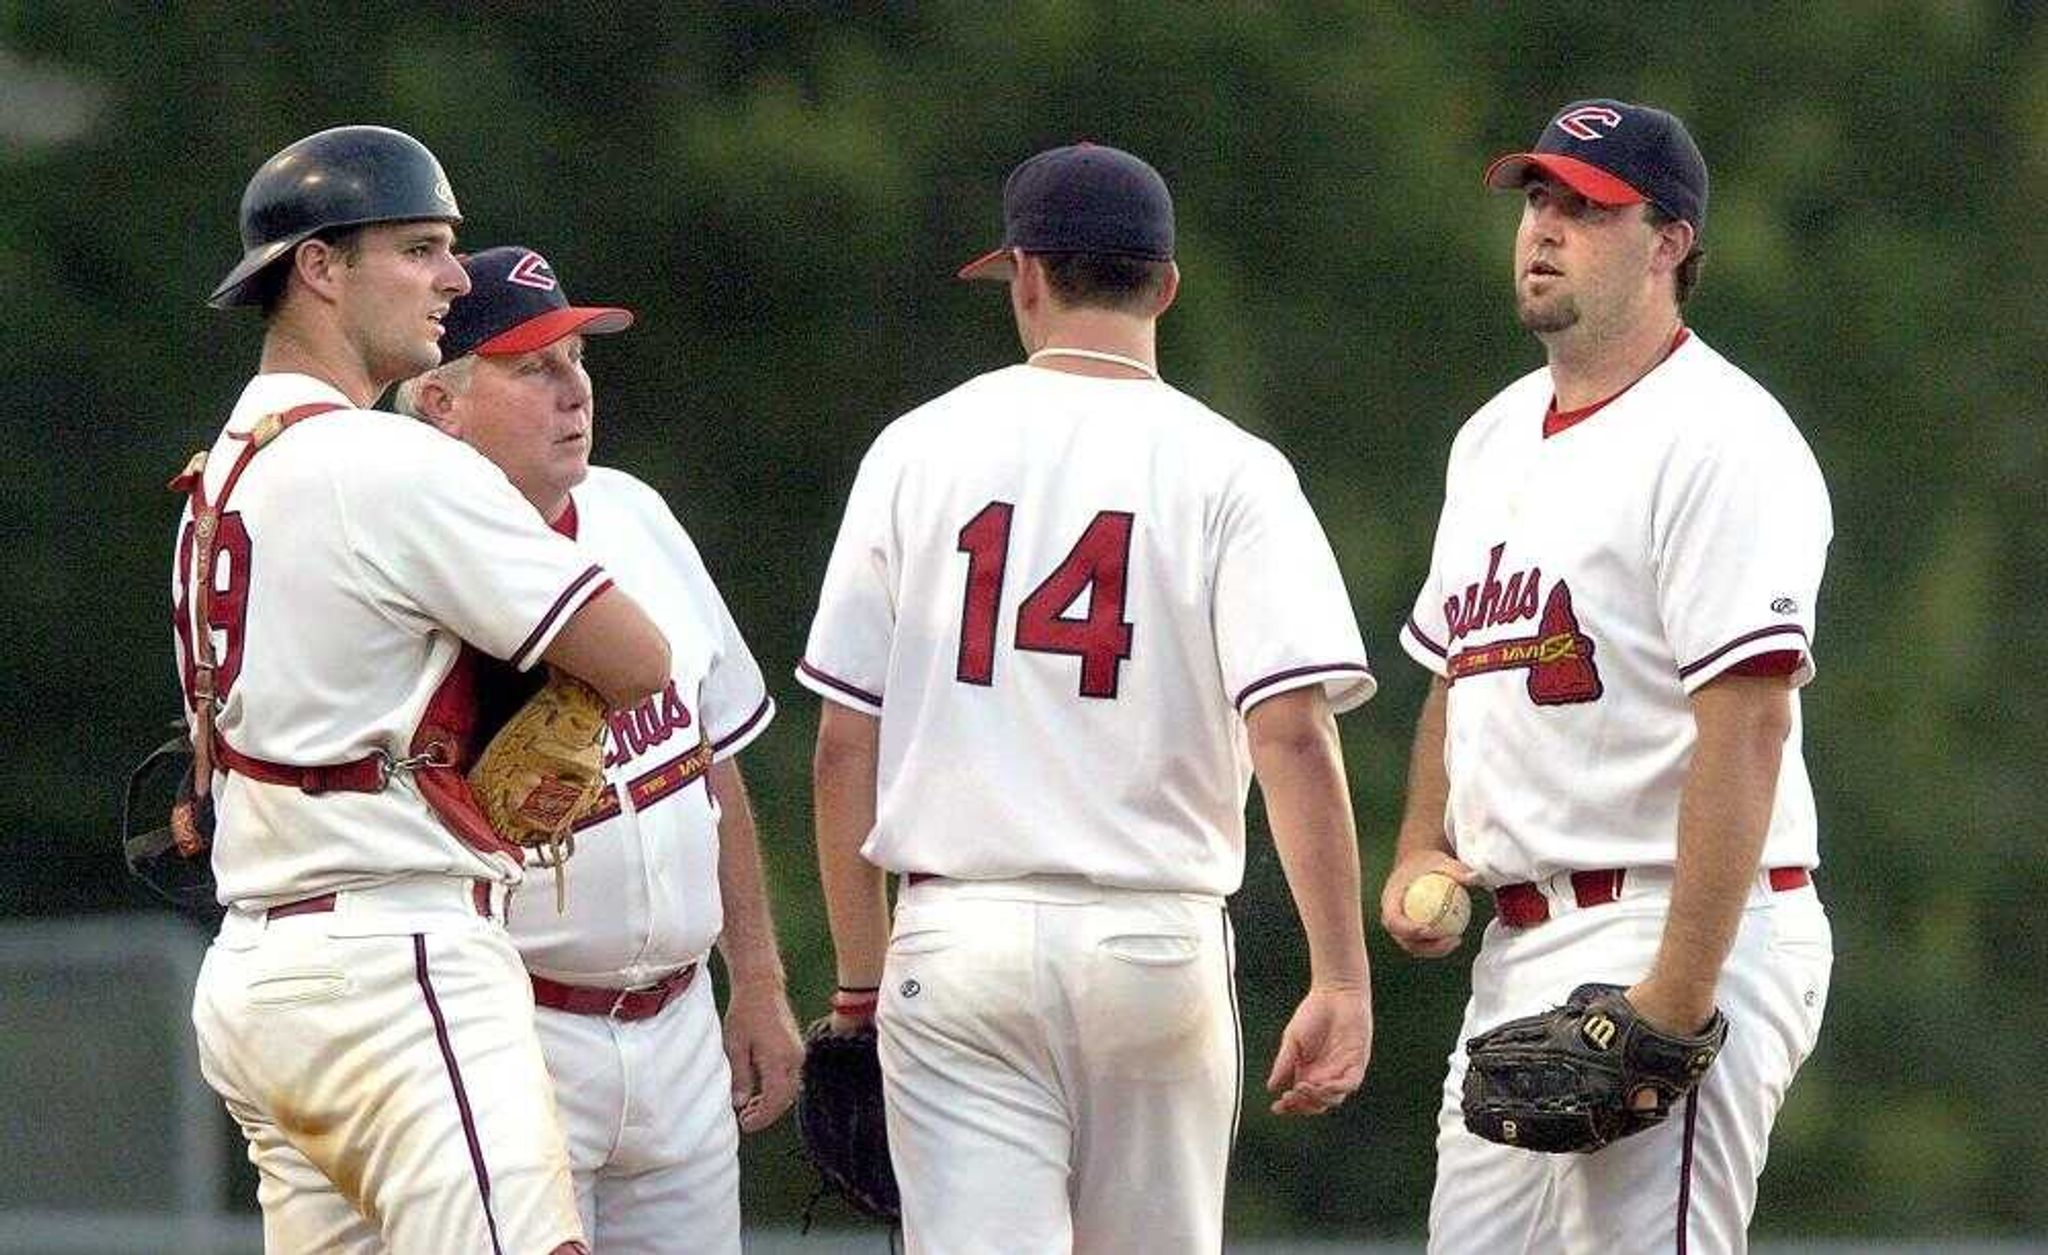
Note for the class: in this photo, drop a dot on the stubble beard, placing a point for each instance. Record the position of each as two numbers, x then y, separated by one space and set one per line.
404 358
1546 316
388 353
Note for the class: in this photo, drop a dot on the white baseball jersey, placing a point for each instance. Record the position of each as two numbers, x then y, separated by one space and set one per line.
358 552
643 884
1067 590
1584 583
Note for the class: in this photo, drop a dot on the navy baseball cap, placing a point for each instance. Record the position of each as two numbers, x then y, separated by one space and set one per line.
1084 198
1615 153
516 305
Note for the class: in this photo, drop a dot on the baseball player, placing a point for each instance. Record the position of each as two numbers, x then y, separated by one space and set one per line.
362 1012
667 863
1070 612
1619 614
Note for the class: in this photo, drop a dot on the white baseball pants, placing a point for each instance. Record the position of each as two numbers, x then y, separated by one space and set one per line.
381 1061
653 1142
1062 1067
1687 1186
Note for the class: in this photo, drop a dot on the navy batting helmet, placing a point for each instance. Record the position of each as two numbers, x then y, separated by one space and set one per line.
345 177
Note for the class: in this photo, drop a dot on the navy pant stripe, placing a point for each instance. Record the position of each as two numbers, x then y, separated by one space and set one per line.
476 1149
1692 1120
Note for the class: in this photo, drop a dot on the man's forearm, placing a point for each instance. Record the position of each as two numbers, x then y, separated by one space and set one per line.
1724 815
855 890
747 942
1300 770
1429 784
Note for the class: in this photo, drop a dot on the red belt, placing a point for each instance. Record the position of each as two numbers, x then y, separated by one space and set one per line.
364 775
618 1004
1523 905
479 896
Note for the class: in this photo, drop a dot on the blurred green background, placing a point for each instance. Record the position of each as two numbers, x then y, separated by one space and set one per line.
782 192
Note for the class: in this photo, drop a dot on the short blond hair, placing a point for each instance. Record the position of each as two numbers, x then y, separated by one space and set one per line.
453 376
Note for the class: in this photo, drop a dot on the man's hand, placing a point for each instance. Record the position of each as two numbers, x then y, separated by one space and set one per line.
1324 1051
766 1055
1407 934
1300 770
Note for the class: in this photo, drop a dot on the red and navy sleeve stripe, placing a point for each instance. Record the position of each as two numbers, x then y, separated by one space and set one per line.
1777 629
1251 693
546 627
821 680
746 728
1422 639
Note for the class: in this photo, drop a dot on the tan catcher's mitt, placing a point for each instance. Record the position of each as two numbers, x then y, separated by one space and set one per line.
544 767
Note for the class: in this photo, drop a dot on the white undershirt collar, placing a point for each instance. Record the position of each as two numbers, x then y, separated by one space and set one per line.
1096 355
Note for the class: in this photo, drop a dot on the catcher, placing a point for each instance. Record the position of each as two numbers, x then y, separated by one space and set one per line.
334 562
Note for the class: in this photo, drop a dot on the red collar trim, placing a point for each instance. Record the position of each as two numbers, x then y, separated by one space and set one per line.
565 522
1556 420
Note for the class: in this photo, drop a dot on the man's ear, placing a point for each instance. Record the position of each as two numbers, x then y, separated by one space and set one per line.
1168 290
437 405
1027 286
318 265
1674 244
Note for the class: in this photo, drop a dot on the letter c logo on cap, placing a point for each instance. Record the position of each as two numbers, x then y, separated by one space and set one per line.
532 271
1580 123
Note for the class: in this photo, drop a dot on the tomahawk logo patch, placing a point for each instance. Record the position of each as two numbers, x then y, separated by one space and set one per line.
1558 655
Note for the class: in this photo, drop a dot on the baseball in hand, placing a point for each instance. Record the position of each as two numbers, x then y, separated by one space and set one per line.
1438 903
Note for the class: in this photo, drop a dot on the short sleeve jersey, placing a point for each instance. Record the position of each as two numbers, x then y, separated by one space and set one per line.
1584 584
357 552
1060 594
642 890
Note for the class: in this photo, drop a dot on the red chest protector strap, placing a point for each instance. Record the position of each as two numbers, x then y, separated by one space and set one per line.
442 749
208 749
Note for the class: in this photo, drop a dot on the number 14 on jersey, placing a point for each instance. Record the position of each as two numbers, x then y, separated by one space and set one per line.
1097 565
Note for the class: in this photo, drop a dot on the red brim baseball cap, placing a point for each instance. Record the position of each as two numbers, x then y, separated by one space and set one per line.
1588 180
516 305
1615 153
998 264
543 330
